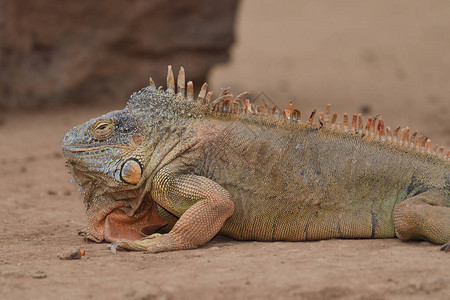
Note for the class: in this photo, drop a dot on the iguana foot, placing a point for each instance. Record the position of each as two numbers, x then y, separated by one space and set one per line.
139 245
87 234
83 232
424 216
154 243
446 247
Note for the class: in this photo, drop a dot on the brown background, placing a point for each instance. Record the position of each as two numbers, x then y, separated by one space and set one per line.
389 57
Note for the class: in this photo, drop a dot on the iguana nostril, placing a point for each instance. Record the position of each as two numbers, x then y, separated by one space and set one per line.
67 138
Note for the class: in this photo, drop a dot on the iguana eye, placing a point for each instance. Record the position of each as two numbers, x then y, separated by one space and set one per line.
103 129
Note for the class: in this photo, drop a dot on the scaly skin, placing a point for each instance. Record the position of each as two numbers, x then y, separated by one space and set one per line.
206 167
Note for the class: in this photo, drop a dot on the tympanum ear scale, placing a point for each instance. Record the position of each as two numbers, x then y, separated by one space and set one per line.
131 171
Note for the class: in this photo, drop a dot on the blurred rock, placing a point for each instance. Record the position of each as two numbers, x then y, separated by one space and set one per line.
39 275
84 51
70 254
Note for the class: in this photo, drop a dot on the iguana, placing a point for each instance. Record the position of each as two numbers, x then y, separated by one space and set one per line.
202 167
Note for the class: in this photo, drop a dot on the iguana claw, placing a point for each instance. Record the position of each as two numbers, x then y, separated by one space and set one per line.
446 247
86 233
113 247
83 232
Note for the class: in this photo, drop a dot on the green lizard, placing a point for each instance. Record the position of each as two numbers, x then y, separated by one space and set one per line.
202 167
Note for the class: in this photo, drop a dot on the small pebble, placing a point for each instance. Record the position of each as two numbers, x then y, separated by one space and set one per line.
39 275
70 255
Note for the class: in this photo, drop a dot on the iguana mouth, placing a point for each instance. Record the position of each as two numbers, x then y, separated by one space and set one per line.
115 224
86 149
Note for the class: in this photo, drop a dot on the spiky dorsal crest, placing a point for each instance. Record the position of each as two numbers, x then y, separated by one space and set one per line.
374 129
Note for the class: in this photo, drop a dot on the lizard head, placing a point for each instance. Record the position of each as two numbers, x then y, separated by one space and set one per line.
113 157
109 147
106 156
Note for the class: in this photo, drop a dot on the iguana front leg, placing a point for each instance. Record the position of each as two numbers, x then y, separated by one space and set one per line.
203 205
424 216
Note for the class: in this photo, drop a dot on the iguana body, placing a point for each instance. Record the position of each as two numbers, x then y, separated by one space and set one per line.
251 174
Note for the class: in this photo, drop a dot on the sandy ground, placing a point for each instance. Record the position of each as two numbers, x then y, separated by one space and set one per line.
318 54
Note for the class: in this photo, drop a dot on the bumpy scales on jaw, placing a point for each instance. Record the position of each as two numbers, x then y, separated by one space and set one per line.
227 166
